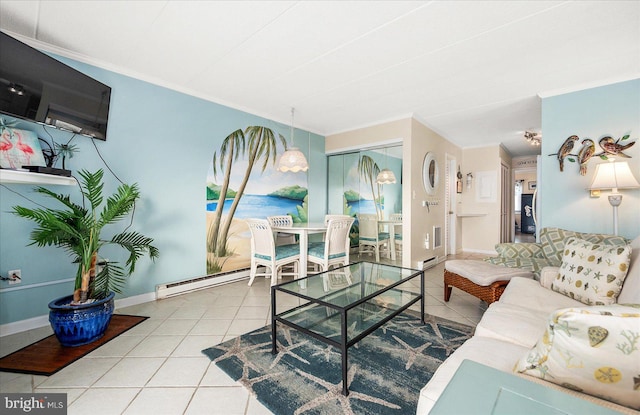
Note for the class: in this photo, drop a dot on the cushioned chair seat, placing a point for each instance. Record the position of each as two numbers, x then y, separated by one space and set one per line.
478 278
381 236
317 250
282 251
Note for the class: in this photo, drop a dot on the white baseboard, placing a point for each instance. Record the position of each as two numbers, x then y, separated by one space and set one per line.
23 325
42 321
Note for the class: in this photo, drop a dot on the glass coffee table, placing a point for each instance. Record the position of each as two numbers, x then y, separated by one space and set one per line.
342 306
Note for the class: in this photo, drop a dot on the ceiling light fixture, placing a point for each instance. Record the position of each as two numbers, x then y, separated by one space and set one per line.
535 139
293 159
386 176
16 89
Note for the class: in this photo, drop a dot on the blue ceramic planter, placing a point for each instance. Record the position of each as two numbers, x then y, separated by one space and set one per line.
80 324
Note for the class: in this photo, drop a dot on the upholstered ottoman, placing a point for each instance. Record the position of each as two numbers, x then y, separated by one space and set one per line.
479 278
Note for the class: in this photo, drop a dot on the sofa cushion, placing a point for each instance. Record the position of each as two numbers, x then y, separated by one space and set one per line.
554 239
520 250
512 323
534 265
592 273
630 293
491 352
590 349
531 295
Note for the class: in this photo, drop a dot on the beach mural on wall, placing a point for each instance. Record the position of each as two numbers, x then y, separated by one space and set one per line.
242 182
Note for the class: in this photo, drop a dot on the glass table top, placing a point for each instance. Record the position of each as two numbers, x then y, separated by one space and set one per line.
366 292
350 284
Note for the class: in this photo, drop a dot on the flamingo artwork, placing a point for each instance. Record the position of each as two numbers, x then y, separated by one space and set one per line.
26 149
5 146
19 148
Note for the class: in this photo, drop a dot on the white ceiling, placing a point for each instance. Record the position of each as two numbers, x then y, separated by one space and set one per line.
472 71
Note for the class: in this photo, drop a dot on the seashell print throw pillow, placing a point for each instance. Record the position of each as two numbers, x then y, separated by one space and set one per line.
593 350
592 273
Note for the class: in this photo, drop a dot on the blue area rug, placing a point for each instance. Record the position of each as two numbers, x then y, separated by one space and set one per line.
386 371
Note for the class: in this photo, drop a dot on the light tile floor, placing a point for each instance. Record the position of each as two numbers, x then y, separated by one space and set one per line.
158 368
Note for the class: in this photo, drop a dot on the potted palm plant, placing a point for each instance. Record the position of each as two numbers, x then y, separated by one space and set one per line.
83 317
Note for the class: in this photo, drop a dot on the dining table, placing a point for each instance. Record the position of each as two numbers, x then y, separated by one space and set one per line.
391 228
303 230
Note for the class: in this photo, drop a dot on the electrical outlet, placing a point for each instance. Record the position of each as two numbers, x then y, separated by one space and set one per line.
15 276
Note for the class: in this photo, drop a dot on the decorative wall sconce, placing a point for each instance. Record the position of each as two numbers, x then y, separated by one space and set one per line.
469 180
459 181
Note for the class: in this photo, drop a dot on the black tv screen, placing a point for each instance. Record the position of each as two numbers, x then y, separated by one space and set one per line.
37 87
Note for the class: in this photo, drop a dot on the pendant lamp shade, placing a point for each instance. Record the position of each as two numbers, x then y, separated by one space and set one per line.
292 160
386 176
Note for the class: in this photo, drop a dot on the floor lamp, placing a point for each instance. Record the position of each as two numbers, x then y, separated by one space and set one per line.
614 175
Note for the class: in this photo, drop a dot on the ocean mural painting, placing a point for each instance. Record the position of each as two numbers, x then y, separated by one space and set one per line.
242 183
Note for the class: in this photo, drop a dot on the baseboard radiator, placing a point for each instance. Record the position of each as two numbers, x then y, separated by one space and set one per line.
427 263
437 237
199 283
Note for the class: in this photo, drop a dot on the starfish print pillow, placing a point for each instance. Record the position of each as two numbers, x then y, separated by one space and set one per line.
592 273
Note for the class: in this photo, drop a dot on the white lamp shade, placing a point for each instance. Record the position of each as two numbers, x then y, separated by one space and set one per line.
613 175
293 160
386 176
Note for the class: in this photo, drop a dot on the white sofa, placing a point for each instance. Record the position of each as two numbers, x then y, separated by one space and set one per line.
512 325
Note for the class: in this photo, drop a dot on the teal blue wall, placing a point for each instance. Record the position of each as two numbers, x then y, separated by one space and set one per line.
612 110
164 141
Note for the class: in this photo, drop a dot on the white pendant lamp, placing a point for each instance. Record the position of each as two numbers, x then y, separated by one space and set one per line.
386 176
293 160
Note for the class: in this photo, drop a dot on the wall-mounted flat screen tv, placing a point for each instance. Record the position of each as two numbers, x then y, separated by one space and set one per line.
37 87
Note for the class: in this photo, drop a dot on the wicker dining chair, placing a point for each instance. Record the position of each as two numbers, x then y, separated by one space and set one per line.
397 237
282 221
265 252
334 250
371 239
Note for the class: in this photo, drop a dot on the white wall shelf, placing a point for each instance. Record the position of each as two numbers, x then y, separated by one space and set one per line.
25 177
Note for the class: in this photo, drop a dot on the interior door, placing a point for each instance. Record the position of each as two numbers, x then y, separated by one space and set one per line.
505 204
450 206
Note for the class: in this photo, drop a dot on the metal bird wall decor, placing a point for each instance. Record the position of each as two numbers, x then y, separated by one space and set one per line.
565 150
584 155
609 146
614 148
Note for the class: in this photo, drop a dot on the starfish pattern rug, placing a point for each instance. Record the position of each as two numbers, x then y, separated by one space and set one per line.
386 370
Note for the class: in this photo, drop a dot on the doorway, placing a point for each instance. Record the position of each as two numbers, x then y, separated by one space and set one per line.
524 187
450 220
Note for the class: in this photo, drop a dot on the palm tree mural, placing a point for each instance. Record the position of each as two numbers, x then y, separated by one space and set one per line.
231 147
258 144
369 170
